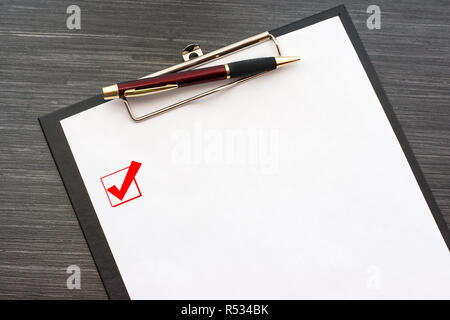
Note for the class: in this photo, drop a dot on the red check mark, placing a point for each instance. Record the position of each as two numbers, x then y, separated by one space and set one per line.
132 171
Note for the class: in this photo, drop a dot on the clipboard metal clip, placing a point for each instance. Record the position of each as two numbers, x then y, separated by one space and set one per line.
193 57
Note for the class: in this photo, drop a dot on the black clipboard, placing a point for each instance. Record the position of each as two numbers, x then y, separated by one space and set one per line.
84 209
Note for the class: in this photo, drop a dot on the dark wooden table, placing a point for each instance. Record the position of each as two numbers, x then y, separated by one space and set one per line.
45 66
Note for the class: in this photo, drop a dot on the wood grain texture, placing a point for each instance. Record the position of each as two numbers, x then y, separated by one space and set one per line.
44 66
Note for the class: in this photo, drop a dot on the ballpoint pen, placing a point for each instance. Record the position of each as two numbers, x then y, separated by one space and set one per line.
171 81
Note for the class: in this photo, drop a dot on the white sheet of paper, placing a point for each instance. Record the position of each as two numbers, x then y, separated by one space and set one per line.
292 185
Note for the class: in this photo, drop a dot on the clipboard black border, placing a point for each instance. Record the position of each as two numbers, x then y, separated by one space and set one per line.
84 209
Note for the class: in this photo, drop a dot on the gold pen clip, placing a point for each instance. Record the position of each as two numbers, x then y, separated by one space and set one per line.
143 92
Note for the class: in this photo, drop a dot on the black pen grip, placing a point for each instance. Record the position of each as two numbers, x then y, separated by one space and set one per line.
250 67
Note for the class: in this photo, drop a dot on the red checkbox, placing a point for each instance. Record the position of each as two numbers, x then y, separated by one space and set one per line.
121 186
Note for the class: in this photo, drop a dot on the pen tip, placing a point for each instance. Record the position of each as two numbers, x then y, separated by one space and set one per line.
282 61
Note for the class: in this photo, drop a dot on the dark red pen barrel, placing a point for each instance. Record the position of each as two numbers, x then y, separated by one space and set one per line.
181 79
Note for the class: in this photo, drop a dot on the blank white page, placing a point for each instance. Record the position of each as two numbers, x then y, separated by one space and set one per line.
292 185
